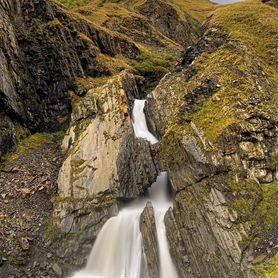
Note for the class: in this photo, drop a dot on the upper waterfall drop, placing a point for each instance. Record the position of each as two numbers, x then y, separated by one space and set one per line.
118 249
139 122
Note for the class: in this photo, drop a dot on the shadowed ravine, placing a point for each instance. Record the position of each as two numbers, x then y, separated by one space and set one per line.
118 250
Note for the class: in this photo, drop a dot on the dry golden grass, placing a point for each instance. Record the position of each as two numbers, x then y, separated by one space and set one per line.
253 23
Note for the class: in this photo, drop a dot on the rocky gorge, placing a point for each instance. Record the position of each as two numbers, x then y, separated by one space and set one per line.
70 159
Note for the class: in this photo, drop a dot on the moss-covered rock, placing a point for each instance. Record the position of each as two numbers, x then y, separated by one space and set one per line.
216 116
268 269
30 144
43 60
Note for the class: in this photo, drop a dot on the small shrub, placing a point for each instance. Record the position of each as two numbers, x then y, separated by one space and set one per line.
154 63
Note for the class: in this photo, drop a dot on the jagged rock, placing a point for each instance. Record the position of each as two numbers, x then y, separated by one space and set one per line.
168 21
25 192
216 156
24 243
206 237
136 167
149 236
105 162
106 145
176 245
43 50
259 259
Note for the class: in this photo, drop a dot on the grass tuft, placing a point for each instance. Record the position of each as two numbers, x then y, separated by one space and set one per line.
31 143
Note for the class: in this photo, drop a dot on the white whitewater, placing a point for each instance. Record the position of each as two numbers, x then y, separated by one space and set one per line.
139 122
118 249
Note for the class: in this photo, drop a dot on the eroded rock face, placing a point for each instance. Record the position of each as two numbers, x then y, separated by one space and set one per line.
207 234
149 236
218 154
168 21
43 50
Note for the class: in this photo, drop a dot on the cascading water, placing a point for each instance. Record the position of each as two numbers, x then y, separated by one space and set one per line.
117 252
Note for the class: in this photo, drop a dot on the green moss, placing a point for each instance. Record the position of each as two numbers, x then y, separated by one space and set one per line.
268 269
274 159
247 195
51 231
58 200
256 207
255 204
62 120
172 146
53 24
102 2
21 133
101 200
86 39
74 3
195 24
111 65
30 144
154 62
251 22
216 116
85 84
267 209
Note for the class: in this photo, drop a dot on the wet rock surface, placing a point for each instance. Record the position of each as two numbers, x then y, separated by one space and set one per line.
149 236
104 163
206 230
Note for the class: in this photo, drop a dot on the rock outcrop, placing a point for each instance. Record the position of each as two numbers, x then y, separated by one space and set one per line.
218 128
170 21
149 236
43 50
105 163
164 24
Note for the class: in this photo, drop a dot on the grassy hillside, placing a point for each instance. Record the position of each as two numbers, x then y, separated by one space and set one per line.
74 3
126 18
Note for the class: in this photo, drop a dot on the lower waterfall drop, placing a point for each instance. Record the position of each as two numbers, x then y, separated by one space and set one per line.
118 249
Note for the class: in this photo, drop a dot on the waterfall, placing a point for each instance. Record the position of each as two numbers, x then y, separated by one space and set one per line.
117 252
139 122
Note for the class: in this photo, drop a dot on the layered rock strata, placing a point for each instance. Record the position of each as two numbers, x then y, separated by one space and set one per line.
43 50
218 128
105 163
149 236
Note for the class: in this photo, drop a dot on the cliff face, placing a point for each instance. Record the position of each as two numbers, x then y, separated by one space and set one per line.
105 163
164 24
214 113
43 50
